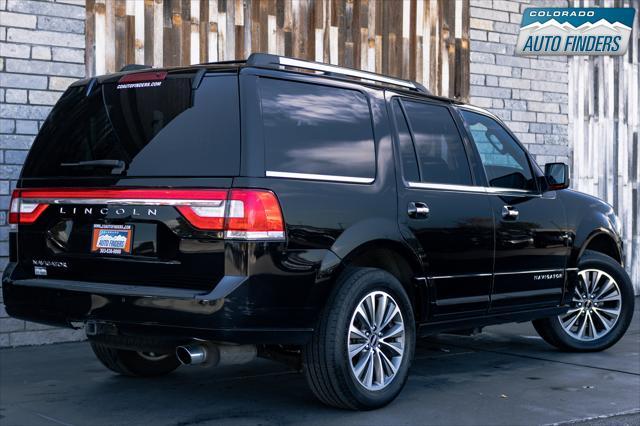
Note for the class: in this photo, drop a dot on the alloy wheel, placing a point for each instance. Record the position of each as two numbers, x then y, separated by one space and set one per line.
595 306
376 340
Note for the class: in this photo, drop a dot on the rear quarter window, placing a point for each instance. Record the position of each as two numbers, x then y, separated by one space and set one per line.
316 129
166 130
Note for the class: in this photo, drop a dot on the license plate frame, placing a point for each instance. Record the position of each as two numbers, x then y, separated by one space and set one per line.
111 239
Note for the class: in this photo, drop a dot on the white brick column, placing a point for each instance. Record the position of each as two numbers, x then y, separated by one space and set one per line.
41 52
529 93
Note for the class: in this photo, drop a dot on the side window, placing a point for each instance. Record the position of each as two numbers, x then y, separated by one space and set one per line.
504 161
314 129
407 151
441 154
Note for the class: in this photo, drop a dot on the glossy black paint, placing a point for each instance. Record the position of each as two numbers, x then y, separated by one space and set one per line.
468 266
534 242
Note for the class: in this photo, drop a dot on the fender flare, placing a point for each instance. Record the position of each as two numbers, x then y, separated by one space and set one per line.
366 233
590 227
597 233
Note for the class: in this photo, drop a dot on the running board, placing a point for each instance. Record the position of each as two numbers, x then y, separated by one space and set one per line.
430 328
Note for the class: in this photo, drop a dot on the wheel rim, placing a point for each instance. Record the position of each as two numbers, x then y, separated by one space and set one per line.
376 340
595 306
152 356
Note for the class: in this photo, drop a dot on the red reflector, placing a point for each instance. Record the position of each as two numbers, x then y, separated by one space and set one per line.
138 77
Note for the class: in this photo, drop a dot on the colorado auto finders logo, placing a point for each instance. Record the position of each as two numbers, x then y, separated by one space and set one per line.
575 31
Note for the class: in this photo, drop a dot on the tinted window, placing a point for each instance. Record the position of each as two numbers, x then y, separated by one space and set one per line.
316 129
167 130
441 154
407 151
505 162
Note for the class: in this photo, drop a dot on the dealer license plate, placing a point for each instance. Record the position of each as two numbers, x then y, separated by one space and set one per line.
111 239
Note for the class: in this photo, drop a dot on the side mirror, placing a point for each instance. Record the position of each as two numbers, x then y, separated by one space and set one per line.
557 175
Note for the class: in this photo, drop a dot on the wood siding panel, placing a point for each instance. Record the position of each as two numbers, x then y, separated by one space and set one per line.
402 38
604 127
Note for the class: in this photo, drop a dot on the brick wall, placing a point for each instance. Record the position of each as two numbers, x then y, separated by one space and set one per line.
41 52
529 93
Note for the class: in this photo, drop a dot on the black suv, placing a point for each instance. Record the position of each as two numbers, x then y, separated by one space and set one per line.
300 211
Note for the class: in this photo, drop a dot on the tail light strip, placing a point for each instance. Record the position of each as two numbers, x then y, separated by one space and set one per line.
248 214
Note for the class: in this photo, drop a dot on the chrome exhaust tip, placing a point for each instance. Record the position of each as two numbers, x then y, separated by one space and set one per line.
209 354
192 354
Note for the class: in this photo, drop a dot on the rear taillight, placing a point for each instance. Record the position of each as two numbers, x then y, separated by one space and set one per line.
253 215
24 211
247 214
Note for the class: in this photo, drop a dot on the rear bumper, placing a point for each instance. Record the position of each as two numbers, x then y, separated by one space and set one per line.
234 311
225 287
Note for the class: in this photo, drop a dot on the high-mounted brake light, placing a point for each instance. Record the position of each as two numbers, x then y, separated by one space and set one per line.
139 77
247 214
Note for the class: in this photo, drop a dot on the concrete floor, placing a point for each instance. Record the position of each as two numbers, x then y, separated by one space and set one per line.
507 375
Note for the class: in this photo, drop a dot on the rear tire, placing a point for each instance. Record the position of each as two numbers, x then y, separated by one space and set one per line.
352 365
601 309
135 364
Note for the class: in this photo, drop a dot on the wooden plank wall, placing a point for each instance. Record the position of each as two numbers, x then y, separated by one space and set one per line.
604 127
423 40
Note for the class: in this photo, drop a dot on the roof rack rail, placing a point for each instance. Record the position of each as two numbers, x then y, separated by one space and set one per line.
268 60
232 61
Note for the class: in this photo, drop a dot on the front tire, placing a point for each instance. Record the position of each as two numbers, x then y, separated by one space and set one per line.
601 308
135 364
362 349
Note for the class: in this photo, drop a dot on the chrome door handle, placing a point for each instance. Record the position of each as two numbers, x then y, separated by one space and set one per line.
509 213
418 210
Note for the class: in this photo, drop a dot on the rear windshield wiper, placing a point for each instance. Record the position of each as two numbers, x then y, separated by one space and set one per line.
118 166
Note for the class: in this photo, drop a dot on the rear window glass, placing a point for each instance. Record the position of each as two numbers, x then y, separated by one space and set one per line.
315 129
410 169
165 130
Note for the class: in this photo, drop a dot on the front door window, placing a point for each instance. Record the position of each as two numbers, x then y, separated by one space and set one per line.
504 160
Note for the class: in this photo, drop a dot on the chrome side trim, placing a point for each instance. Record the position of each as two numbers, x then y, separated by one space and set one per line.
472 188
439 277
291 62
311 176
538 271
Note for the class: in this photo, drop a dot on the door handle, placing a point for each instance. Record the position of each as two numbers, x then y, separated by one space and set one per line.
509 213
418 210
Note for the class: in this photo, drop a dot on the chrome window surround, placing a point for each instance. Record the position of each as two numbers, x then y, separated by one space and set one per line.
422 185
311 176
